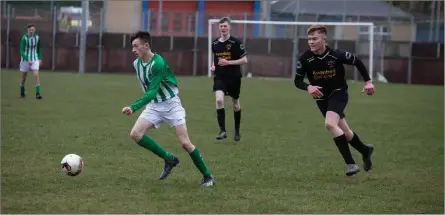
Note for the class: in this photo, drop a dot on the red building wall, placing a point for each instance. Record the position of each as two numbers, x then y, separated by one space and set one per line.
178 17
225 7
176 6
175 16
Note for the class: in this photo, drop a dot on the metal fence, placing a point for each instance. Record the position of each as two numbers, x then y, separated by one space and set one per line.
190 23
393 37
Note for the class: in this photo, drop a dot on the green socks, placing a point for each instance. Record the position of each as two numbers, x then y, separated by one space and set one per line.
22 89
199 162
150 144
154 147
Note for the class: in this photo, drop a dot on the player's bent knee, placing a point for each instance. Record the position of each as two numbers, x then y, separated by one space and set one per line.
219 102
236 105
136 135
329 125
332 119
140 127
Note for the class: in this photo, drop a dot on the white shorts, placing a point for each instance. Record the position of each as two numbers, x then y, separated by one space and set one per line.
25 67
170 111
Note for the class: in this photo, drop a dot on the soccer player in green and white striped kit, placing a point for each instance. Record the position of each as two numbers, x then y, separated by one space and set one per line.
160 88
31 59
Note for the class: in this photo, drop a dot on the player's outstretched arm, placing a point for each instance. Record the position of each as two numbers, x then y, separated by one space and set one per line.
152 91
352 59
362 69
22 48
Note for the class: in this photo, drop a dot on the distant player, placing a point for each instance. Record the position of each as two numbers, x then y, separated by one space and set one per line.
326 74
160 88
31 59
228 54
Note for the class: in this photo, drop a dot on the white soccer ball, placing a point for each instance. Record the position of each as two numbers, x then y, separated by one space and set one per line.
72 164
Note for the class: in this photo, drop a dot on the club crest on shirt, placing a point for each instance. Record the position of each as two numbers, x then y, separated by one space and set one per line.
331 64
228 47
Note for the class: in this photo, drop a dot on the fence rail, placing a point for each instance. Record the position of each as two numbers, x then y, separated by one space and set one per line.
190 23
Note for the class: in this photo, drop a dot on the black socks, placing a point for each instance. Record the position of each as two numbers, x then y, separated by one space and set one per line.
343 147
221 115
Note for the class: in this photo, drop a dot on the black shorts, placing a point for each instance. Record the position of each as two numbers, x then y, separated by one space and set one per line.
335 102
230 86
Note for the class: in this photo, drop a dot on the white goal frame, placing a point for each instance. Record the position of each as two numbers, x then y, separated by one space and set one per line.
369 24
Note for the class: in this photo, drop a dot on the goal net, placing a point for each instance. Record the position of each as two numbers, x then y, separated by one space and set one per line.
274 46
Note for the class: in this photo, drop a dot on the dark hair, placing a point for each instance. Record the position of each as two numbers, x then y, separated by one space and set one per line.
225 19
144 36
30 25
320 28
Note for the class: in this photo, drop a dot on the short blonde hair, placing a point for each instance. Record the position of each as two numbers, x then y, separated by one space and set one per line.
314 28
225 19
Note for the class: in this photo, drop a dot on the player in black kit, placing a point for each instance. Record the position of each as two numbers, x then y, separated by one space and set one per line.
326 74
228 56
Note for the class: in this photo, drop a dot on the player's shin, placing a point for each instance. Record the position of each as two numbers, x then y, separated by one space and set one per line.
343 147
22 84
237 117
22 89
150 144
37 89
331 123
199 162
358 144
195 154
221 116
37 81
220 111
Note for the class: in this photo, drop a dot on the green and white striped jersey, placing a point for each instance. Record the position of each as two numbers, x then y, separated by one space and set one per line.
157 81
30 48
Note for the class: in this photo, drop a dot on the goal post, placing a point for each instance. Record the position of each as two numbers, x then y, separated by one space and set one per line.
370 26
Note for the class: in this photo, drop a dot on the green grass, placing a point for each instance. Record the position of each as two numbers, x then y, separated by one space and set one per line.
286 161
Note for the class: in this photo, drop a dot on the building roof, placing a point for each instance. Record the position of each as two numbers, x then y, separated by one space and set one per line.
370 8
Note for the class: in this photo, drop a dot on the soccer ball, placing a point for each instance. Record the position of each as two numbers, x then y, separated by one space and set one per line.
72 164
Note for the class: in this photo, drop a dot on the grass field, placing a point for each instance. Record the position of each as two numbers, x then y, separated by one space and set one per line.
286 161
